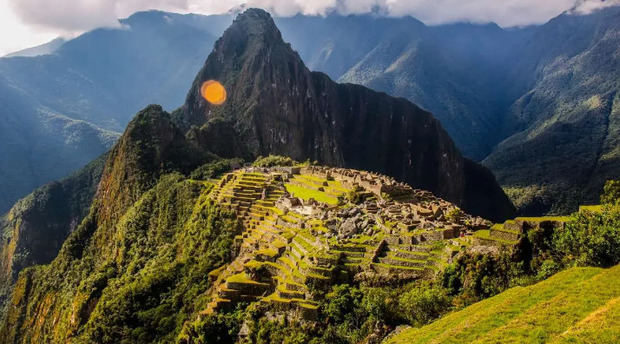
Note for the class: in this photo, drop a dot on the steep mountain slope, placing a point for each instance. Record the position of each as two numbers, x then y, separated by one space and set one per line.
140 235
39 145
37 226
478 80
276 105
568 145
136 268
579 305
43 49
457 72
62 110
486 84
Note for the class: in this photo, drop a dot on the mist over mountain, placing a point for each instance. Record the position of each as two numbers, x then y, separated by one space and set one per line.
43 49
566 143
474 78
169 238
62 110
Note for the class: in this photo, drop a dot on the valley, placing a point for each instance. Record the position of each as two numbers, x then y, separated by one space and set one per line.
275 205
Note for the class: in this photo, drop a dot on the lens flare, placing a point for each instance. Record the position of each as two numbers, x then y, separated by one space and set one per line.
213 92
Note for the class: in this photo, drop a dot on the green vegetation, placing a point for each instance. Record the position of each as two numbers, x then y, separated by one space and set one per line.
559 309
611 192
355 197
150 282
348 314
215 168
308 193
590 239
35 228
274 160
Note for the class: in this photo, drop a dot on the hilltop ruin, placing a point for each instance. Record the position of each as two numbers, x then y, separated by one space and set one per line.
308 227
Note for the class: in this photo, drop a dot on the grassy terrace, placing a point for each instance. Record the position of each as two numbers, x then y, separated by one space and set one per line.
308 193
335 186
544 218
408 268
486 234
242 278
574 306
591 208
306 187
500 227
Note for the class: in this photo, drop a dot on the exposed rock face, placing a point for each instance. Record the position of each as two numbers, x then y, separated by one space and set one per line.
276 105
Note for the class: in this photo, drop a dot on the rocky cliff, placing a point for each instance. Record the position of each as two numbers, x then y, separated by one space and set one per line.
276 105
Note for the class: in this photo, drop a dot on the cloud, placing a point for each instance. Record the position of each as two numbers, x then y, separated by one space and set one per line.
588 6
71 16
74 16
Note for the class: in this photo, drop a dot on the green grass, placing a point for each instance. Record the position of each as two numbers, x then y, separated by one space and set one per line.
591 208
242 278
486 234
545 218
307 193
574 306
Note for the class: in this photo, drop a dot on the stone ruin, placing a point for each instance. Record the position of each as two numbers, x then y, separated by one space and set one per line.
291 246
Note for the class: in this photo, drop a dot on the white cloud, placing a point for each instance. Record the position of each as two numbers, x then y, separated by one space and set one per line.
45 19
14 35
79 15
587 6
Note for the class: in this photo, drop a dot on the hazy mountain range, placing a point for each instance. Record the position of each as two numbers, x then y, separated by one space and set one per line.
399 138
131 247
548 91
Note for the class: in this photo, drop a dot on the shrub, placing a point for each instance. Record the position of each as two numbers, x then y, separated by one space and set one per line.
274 160
454 214
215 169
590 239
611 192
355 197
475 276
216 328
424 303
547 269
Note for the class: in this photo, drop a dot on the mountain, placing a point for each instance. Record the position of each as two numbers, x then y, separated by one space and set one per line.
575 306
113 228
62 110
567 145
457 72
43 49
276 105
37 225
136 267
39 144
477 80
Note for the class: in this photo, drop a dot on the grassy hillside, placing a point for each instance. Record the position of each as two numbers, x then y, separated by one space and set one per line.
574 306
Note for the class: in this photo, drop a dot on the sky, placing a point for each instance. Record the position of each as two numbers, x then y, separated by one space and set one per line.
26 23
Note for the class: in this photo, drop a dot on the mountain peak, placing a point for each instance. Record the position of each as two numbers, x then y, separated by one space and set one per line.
253 25
251 52
275 105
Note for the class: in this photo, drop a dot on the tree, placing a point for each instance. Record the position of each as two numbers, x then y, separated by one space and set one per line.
611 192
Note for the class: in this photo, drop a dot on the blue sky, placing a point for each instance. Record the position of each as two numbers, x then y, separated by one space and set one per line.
25 23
